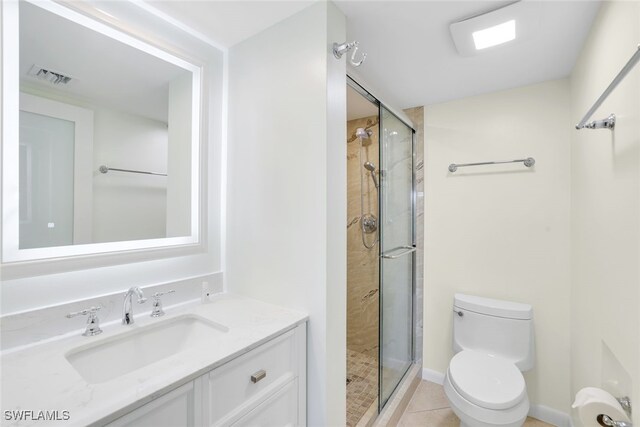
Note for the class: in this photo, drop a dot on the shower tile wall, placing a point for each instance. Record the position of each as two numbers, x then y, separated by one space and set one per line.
362 277
362 263
416 115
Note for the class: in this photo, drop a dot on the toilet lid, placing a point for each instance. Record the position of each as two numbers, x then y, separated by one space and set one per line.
488 381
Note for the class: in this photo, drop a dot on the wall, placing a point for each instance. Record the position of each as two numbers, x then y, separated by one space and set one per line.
128 206
362 263
363 296
501 231
605 208
286 206
179 164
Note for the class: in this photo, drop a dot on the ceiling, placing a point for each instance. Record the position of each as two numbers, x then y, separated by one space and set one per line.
105 71
230 22
412 60
411 56
358 106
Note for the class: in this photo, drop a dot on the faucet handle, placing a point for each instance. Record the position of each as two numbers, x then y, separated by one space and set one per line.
157 295
157 303
90 311
93 323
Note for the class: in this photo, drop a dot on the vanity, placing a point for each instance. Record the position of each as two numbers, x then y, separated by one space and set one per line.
231 361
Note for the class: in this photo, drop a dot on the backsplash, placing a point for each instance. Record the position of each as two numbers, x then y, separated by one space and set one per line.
28 327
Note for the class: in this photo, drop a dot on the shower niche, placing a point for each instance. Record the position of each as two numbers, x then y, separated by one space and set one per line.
380 253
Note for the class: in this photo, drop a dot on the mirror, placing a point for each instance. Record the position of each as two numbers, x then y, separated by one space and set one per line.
104 150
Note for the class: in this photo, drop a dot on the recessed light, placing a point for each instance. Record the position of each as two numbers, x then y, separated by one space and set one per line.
495 35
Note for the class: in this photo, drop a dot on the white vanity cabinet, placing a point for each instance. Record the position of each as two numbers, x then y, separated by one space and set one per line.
265 386
180 407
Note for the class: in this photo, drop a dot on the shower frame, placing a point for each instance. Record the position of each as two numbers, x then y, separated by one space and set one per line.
351 82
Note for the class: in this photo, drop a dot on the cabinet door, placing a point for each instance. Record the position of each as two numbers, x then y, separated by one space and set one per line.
281 409
180 407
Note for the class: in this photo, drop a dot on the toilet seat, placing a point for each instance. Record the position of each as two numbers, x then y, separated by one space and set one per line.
487 381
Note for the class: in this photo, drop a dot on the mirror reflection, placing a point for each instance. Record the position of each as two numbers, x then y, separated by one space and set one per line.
105 137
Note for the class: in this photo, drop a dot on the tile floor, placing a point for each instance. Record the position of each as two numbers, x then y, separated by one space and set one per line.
429 407
362 385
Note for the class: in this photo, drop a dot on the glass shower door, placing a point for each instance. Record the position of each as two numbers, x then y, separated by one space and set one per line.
397 251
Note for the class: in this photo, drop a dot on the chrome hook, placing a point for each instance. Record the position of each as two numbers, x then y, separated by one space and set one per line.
341 49
353 57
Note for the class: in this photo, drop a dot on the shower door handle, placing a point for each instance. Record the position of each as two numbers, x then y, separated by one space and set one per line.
393 253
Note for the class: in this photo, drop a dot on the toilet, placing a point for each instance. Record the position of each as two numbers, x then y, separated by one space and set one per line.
493 342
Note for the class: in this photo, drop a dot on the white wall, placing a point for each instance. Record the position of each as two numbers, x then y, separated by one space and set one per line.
286 194
501 231
179 164
128 206
605 212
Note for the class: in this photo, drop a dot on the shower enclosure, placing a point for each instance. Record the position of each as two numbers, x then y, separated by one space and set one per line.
381 253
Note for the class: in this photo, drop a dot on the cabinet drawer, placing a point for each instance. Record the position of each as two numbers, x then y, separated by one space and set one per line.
281 409
240 384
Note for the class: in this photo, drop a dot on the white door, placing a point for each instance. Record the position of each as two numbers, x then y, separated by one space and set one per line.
55 173
46 181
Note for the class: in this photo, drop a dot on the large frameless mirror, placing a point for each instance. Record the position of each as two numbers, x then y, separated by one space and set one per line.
100 138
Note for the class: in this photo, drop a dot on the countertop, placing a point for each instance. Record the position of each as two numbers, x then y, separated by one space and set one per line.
39 377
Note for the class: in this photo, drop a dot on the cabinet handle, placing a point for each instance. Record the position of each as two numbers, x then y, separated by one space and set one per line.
258 376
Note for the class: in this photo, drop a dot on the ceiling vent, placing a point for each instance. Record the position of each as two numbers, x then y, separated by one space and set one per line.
50 76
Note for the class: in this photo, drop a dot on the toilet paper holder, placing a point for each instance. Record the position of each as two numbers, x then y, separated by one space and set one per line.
625 402
606 421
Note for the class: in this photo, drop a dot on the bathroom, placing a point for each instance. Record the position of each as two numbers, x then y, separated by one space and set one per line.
213 258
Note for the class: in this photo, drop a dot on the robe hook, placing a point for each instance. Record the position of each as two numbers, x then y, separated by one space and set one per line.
341 49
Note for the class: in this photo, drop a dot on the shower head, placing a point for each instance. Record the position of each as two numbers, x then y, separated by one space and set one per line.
363 133
372 170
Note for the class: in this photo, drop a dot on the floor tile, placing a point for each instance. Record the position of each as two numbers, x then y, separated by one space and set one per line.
532 422
428 396
435 418
429 407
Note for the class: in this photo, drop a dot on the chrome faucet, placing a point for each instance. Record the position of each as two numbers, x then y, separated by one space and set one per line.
127 309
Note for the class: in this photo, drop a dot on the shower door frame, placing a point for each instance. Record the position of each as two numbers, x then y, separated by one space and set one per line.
365 93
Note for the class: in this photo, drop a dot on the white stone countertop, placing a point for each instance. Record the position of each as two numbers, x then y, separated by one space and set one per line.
39 377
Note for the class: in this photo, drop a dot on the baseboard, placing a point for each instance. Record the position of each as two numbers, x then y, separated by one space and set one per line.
433 376
550 416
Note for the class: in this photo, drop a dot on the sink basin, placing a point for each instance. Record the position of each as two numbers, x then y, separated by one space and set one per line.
121 354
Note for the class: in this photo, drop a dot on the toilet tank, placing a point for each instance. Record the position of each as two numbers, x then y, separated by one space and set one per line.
496 327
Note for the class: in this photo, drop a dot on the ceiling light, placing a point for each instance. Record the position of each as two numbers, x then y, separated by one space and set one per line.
495 35
480 33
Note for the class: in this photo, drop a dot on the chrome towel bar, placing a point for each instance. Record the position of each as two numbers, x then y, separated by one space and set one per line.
393 254
609 122
105 169
528 162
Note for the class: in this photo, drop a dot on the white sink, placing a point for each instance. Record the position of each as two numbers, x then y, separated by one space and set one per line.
121 354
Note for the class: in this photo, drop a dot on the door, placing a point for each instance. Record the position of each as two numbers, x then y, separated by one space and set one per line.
55 173
46 181
397 252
